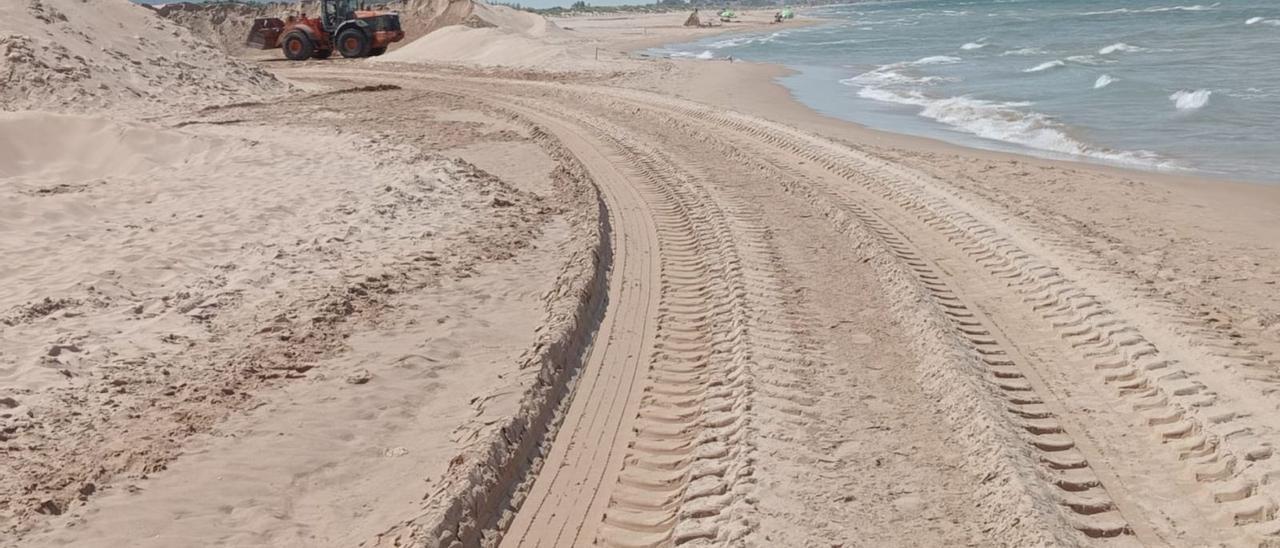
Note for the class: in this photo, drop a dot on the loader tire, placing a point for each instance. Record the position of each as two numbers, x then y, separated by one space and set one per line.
297 47
353 43
374 52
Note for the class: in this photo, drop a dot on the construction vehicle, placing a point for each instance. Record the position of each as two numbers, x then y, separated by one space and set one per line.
343 25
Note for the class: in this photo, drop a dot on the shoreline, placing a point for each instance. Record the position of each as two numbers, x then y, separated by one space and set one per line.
765 76
1167 229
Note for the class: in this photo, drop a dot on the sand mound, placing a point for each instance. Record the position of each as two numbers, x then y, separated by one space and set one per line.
512 20
223 25
420 17
423 16
493 36
73 55
480 46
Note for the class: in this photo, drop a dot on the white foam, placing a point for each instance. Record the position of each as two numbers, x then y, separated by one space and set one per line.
886 76
705 55
1121 47
893 74
1046 66
745 40
1197 7
973 46
936 60
836 42
1254 20
1190 100
1263 20
1008 122
1024 52
1085 60
1103 81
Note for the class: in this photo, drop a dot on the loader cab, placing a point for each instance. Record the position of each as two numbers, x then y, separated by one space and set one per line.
335 12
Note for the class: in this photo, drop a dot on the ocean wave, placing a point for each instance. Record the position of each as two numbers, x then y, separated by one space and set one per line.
1103 81
835 42
973 46
1024 52
1085 60
1046 66
1250 94
705 55
886 76
1010 123
1197 7
1120 47
1190 100
893 74
746 40
933 60
1263 20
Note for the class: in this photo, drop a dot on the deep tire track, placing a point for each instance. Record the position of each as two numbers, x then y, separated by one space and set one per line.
687 470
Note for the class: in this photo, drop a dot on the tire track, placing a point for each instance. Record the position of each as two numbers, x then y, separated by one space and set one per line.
1060 476
687 471
595 424
1161 363
1220 444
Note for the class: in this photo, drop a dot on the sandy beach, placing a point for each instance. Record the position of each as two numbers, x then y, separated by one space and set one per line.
518 283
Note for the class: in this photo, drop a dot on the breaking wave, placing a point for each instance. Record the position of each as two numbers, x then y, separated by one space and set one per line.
746 40
1009 122
1085 60
1263 20
1046 66
894 75
1197 7
705 55
973 46
1120 47
931 60
1024 52
1103 81
1190 100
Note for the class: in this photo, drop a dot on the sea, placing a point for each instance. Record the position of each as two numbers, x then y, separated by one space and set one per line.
1149 84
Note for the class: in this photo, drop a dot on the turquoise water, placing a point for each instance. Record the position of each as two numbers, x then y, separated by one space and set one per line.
1163 85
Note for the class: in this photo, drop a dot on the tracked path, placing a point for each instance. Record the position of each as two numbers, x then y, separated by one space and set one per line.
1219 451
653 451
1108 414
565 502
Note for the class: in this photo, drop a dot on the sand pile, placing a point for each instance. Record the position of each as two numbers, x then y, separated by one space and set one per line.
224 25
72 55
420 17
492 36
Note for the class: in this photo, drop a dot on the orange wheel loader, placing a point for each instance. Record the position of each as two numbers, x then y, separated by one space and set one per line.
343 25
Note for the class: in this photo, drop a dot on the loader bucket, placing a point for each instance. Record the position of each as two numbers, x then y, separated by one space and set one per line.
265 33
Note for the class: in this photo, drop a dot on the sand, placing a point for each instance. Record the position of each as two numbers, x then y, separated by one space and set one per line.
511 295
69 55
